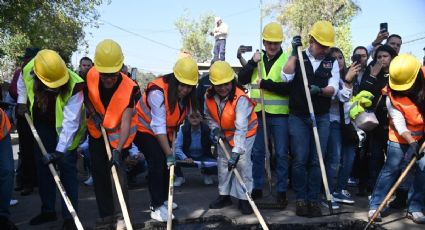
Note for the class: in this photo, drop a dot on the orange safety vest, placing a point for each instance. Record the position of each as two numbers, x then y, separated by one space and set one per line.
226 119
412 115
111 118
4 125
173 120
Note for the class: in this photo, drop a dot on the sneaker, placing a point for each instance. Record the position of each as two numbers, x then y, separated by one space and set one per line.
13 202
160 214
370 214
175 206
352 182
256 194
221 202
343 197
43 217
120 225
301 208
417 217
245 207
178 181
208 179
314 209
334 204
89 181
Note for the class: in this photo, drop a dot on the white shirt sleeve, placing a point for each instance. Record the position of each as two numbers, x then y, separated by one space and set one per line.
158 112
22 91
71 121
397 117
334 80
243 112
344 94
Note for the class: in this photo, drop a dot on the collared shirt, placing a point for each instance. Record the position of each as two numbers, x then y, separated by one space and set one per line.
243 112
71 116
333 81
195 148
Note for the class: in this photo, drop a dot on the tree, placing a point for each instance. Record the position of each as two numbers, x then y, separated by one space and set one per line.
53 24
195 35
299 15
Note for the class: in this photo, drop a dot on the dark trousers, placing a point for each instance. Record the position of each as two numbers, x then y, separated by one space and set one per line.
102 178
67 166
26 173
157 168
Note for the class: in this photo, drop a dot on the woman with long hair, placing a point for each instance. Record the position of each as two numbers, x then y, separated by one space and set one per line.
162 109
406 108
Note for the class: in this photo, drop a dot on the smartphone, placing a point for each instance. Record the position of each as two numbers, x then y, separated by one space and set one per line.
246 48
356 58
383 27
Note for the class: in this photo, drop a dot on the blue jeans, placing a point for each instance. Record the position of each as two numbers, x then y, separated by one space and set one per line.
339 159
306 176
278 128
6 175
68 172
219 50
389 174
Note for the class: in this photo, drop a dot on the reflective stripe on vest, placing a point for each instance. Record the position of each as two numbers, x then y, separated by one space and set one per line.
412 116
60 103
4 124
273 103
226 119
112 115
173 120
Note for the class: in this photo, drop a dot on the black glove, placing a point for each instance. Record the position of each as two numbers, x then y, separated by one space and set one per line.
52 157
314 90
419 155
22 109
231 163
115 158
411 151
296 41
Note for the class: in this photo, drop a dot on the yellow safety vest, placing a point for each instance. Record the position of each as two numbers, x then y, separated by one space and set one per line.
273 103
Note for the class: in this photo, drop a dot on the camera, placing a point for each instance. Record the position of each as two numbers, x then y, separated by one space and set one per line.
383 27
356 58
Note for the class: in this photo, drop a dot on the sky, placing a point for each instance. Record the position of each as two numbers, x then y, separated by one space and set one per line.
151 42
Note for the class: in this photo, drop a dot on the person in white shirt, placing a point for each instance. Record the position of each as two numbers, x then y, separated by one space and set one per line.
220 33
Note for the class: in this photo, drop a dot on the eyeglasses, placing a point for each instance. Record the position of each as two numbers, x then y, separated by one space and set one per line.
105 76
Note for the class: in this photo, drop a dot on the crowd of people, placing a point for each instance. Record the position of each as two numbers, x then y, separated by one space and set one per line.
369 118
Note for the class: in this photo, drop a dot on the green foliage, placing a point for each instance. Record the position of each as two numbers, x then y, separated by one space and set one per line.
195 35
299 15
52 24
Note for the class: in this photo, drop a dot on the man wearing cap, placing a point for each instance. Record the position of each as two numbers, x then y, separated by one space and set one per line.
53 96
220 35
323 79
110 100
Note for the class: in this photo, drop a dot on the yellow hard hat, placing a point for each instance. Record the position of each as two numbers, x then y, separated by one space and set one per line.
108 57
272 32
186 71
50 68
403 72
324 33
221 72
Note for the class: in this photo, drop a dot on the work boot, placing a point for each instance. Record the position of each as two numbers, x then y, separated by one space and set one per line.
256 194
245 207
43 217
281 199
221 202
105 223
301 208
314 209
69 224
400 200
